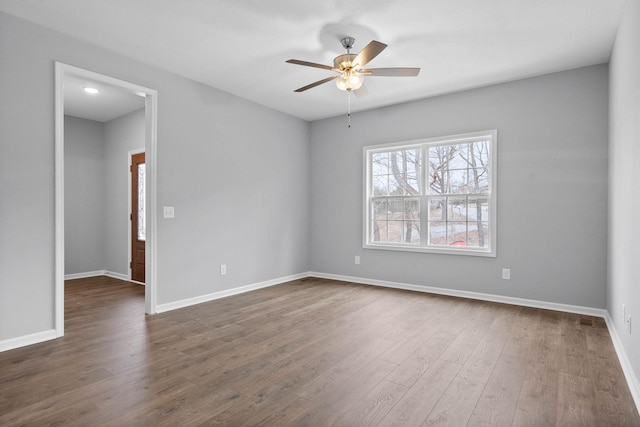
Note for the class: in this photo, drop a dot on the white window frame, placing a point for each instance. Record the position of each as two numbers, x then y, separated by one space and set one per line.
368 151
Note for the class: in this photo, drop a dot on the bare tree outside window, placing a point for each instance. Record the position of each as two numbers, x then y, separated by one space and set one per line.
455 170
397 178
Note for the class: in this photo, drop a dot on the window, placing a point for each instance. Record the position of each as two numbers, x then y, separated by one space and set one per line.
433 195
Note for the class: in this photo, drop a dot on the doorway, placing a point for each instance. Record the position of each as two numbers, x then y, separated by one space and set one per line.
149 268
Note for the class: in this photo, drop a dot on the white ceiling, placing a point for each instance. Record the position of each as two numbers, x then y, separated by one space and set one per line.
109 103
241 46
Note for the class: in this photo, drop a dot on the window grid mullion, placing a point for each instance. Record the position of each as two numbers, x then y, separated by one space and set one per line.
424 205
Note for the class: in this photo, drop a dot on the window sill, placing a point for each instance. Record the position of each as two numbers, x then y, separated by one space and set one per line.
432 250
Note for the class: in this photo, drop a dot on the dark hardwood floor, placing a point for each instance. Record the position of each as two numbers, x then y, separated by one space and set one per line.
314 352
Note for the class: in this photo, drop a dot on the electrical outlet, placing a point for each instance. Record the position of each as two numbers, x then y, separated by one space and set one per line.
223 269
506 273
357 261
628 321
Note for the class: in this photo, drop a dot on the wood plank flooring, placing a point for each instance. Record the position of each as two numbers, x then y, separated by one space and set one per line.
314 352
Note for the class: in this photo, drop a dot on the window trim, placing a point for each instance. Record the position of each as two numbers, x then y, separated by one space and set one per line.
369 150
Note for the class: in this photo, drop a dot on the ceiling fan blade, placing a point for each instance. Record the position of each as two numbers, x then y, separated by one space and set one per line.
391 72
369 52
310 64
360 92
318 83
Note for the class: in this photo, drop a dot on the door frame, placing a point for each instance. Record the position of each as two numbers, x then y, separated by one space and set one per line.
151 120
130 207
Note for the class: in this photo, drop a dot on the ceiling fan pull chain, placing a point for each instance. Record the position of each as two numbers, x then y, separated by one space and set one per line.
349 108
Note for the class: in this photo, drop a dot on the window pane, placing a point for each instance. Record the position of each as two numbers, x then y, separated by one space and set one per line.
436 209
413 171
478 236
457 181
397 184
412 209
461 168
413 184
396 172
379 210
141 197
480 150
456 233
456 208
381 185
439 159
395 231
379 231
395 220
380 163
437 233
413 161
398 161
479 178
396 209
479 163
459 157
478 209
412 231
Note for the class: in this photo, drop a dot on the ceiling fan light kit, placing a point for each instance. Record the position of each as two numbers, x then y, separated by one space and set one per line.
349 81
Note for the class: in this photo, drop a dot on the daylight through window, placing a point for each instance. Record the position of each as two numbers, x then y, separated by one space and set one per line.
435 195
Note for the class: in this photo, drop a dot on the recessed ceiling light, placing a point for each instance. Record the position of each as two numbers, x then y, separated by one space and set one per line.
91 90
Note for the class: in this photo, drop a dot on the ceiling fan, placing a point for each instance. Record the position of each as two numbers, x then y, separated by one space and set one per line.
350 68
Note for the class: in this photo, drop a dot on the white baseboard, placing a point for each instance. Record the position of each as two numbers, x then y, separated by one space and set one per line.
632 379
588 311
117 275
161 308
26 340
95 274
85 274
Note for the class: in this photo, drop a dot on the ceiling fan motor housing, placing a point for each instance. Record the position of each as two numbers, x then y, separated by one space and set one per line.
348 42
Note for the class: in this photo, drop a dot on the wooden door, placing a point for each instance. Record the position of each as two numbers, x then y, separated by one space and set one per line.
138 218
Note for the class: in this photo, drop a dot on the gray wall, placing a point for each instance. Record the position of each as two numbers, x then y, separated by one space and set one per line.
84 202
552 189
122 135
97 192
237 175
235 171
624 204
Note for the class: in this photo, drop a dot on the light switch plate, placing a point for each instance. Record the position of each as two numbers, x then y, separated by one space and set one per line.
168 212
